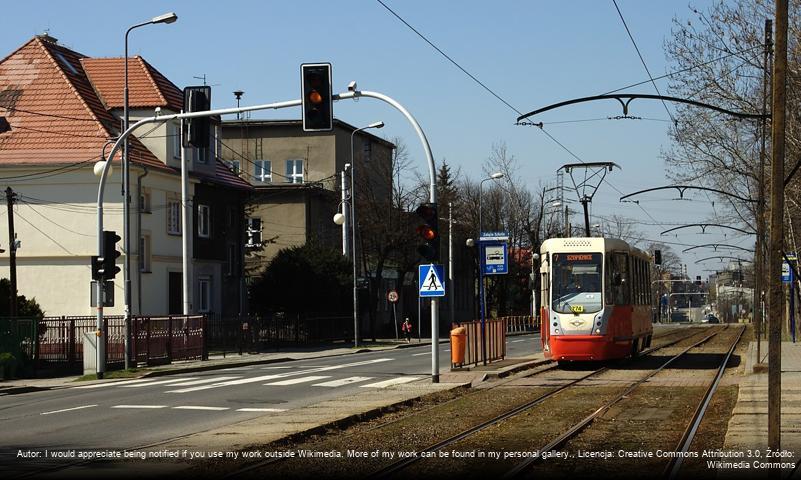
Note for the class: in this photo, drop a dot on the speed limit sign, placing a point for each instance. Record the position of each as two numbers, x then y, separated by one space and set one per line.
392 296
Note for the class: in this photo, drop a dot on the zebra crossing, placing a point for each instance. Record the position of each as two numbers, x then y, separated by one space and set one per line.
268 376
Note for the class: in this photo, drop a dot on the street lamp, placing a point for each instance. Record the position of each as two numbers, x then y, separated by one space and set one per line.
353 232
494 176
169 17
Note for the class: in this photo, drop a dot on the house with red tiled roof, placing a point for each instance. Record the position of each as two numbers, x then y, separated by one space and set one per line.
64 110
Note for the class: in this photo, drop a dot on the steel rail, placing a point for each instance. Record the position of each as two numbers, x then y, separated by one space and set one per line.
563 438
403 463
672 469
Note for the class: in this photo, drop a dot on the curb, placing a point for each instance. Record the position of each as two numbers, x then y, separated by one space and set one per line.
518 368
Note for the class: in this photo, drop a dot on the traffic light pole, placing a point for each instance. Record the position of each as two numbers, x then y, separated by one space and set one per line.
353 94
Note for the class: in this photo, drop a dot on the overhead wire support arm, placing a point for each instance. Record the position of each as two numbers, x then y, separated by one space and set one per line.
632 96
683 188
705 225
715 246
721 258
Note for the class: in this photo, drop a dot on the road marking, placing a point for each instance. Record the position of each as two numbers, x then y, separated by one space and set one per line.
390 382
116 384
518 341
237 368
140 406
261 410
295 381
196 407
275 368
68 409
243 381
205 380
160 382
418 354
341 382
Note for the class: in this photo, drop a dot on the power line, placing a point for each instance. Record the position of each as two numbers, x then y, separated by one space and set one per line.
639 54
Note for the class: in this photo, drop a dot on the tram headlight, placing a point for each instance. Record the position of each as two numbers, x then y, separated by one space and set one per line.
555 330
598 330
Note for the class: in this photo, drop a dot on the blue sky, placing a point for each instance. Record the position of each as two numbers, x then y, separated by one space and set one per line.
531 53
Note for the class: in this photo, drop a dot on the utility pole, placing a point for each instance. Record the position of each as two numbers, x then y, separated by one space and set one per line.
775 292
452 297
759 249
12 252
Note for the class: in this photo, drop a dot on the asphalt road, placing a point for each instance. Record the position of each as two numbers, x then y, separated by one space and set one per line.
135 413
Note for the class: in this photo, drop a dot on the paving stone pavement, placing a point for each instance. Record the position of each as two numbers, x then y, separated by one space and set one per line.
748 426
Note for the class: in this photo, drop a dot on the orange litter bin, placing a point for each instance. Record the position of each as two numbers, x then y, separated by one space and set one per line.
458 345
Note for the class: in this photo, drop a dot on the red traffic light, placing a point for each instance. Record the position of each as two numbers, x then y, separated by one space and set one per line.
315 97
426 232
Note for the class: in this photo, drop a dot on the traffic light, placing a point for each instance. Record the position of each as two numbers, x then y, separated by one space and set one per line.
318 111
658 257
197 130
428 231
108 268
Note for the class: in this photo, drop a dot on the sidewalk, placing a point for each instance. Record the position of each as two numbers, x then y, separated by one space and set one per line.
748 426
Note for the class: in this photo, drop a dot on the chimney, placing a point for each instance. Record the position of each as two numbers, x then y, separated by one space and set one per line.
45 37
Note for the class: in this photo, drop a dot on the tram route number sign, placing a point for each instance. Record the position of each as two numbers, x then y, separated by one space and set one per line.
392 296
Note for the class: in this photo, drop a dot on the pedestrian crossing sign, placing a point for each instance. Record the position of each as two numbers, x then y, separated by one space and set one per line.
431 280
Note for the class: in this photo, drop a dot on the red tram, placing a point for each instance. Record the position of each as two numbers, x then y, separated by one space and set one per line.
595 299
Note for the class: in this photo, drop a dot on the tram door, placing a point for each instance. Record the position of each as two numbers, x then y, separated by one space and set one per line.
545 329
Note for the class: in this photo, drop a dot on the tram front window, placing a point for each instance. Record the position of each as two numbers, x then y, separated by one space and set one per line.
576 283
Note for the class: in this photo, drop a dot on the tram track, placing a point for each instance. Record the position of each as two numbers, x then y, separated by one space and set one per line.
570 433
402 464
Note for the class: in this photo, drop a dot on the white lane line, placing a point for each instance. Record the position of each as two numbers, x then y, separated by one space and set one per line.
261 410
390 382
140 406
295 381
243 381
343 381
237 368
274 368
197 407
116 384
68 409
419 354
159 382
518 341
202 381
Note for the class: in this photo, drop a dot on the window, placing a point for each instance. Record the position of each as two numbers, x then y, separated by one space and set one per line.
201 155
144 253
294 171
204 221
576 285
233 165
176 140
254 232
263 171
617 292
144 201
368 151
173 217
232 260
204 294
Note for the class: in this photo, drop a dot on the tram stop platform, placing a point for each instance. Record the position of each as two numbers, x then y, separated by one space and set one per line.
748 425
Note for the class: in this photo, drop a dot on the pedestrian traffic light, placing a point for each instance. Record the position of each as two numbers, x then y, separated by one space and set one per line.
318 111
428 231
108 269
197 130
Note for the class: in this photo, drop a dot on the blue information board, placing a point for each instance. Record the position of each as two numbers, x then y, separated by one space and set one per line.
494 257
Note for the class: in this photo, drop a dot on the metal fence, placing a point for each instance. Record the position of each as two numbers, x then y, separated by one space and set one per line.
255 333
55 344
521 324
495 345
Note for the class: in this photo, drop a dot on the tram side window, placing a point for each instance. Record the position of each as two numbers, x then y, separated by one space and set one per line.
635 284
545 287
640 282
618 279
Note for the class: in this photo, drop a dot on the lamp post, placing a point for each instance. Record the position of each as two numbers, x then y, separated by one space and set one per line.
353 232
481 298
165 18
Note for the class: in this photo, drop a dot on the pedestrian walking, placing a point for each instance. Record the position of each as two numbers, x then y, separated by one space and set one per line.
406 328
